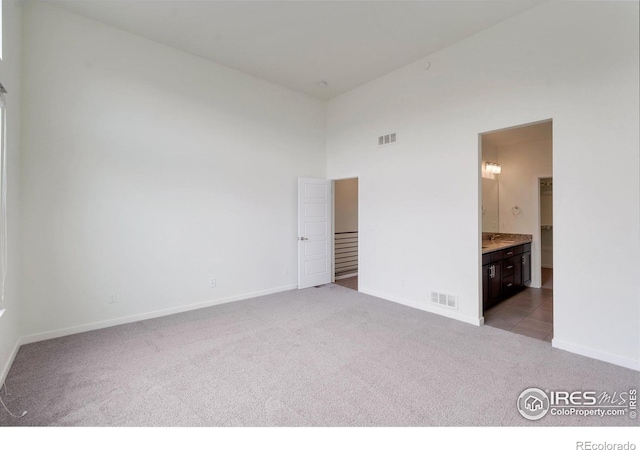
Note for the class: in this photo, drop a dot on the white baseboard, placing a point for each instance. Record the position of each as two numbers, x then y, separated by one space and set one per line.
452 314
618 360
144 316
9 363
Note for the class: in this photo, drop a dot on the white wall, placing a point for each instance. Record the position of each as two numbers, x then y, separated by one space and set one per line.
10 79
346 205
522 165
574 62
147 171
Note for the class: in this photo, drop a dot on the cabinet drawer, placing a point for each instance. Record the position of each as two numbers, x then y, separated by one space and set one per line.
507 253
507 285
508 266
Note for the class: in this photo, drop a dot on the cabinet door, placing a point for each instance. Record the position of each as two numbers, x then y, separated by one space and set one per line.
495 281
526 267
486 299
517 271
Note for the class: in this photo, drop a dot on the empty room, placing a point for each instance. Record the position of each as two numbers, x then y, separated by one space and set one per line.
174 248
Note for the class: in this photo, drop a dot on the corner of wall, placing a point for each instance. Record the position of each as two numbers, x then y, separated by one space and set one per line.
11 76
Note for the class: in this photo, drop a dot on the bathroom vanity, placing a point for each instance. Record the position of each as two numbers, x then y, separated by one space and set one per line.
506 268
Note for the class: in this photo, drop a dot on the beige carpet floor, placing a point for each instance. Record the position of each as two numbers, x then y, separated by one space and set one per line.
318 357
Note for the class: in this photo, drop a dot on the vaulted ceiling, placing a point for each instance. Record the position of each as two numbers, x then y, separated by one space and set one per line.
300 44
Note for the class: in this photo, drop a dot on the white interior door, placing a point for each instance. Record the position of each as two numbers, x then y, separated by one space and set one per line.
314 228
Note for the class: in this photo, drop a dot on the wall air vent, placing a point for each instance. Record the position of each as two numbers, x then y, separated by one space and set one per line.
387 139
446 300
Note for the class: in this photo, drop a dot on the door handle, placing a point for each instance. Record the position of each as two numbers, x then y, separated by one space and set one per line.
303 238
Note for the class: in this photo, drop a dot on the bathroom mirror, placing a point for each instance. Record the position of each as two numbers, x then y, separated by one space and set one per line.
490 192
490 217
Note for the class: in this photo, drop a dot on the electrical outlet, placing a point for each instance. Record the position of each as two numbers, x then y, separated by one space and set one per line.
212 282
285 271
403 282
112 298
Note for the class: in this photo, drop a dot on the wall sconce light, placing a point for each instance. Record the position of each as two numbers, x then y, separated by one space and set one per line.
493 167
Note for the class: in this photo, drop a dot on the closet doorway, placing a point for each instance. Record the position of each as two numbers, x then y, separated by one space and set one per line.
345 230
546 232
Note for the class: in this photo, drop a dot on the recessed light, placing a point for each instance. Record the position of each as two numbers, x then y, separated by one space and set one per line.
322 84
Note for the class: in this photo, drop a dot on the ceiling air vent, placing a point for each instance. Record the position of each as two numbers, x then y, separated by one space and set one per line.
387 139
446 300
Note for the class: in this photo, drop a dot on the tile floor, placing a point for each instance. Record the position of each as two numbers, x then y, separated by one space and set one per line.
529 312
351 283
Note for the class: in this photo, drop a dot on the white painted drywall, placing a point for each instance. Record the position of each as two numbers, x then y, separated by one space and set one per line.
148 171
346 205
10 79
522 166
574 62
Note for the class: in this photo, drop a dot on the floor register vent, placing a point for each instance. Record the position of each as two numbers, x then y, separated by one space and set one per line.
446 300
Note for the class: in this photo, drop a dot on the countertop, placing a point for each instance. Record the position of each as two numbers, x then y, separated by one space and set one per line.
505 241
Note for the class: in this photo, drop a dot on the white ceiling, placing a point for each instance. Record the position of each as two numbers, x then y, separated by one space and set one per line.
300 43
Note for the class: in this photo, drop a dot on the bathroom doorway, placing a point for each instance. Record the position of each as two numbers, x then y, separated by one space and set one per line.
517 225
346 232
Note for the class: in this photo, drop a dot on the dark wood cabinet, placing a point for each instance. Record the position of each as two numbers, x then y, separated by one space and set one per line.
491 281
495 282
504 273
508 283
485 285
518 276
526 265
